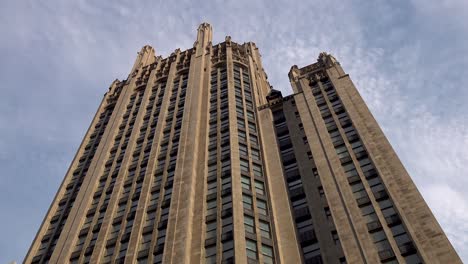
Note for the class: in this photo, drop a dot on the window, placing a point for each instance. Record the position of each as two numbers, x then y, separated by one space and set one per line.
245 182
340 149
259 187
251 247
321 191
335 237
372 217
364 162
253 140
295 184
262 207
161 237
265 229
368 209
115 228
242 135
357 187
351 173
140 260
212 170
150 216
255 154
243 150
240 123
225 183
238 100
211 206
247 200
249 105
227 202
81 240
385 204
146 240
212 153
252 127
377 188
315 172
267 253
228 250
212 187
398 230
257 170
383 245
211 229
244 164
227 225
402 239
374 182
249 223
327 212
210 253
348 166
109 251
413 258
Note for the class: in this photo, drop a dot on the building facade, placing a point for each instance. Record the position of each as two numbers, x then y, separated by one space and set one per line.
195 159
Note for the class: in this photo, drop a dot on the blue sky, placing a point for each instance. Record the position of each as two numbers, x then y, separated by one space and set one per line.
409 60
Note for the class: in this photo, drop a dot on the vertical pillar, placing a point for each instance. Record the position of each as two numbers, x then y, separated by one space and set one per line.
180 231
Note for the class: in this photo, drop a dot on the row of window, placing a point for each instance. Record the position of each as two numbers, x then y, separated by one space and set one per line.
297 196
333 113
72 188
219 178
151 207
128 184
161 187
57 222
99 197
250 165
138 167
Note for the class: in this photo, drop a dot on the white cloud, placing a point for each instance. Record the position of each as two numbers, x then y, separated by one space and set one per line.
451 209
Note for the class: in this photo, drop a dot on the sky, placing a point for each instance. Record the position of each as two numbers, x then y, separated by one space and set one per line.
408 59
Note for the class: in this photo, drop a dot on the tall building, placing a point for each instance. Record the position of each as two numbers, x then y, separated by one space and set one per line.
195 159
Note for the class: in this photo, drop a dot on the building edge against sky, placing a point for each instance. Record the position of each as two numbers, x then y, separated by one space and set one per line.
195 159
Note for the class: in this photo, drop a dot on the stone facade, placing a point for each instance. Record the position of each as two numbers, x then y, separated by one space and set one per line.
195 159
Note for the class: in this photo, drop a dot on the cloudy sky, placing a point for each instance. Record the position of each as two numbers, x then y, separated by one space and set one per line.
409 60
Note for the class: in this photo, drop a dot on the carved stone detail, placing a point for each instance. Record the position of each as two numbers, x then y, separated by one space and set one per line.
218 53
239 53
184 59
227 39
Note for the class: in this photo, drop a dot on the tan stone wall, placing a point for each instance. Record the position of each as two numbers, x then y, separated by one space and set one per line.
185 234
432 244
426 232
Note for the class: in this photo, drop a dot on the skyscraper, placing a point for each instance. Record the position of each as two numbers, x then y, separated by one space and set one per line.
194 158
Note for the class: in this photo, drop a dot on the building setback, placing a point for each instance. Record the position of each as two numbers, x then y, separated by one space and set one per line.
194 158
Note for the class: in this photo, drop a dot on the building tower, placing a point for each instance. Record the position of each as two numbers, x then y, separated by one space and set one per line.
195 159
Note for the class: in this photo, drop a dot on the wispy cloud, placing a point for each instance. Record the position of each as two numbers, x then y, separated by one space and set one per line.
408 59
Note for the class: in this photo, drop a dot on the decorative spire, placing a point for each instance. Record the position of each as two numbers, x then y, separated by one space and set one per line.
204 38
294 72
145 57
327 59
227 39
